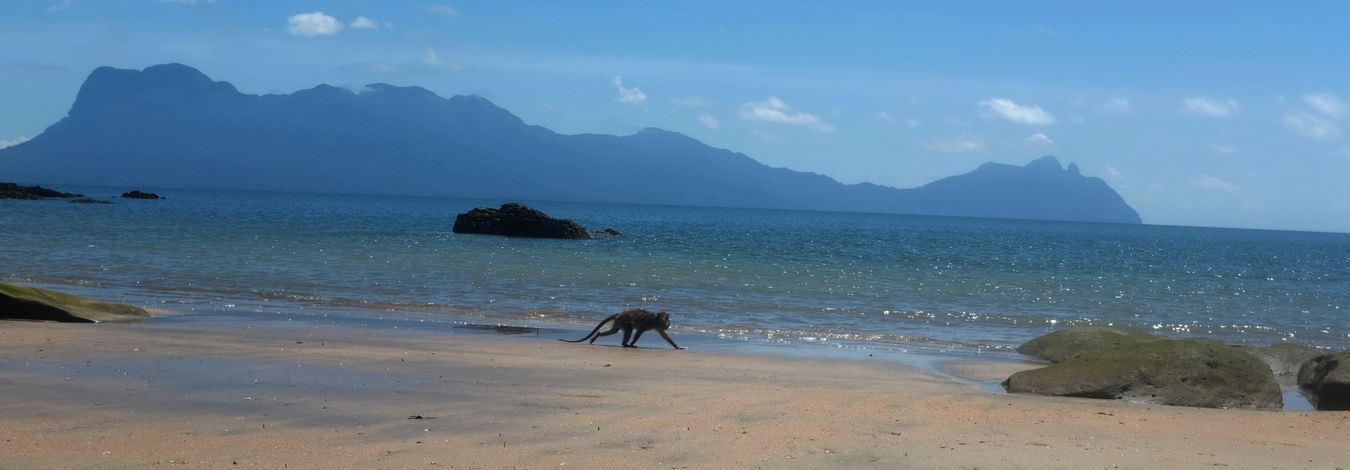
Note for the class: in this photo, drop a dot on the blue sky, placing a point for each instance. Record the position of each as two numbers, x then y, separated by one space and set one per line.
1230 114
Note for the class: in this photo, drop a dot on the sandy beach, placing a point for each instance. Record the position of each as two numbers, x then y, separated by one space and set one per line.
280 395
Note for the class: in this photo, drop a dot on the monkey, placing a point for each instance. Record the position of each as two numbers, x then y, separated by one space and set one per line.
628 320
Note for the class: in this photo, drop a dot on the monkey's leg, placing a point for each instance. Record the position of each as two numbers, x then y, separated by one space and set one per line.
612 330
628 332
668 340
636 336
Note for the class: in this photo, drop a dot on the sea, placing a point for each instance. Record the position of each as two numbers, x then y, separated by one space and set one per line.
800 280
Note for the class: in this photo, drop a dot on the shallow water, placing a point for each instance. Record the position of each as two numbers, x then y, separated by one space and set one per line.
932 284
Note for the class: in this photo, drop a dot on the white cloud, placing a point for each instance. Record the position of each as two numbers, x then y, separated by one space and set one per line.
10 143
886 118
691 102
1212 108
1326 103
1117 105
1040 138
633 96
1006 109
1210 183
1312 126
58 6
445 10
430 57
429 61
776 111
1113 174
965 143
313 24
362 22
709 121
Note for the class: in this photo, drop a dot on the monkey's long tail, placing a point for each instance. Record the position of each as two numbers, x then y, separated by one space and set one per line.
597 329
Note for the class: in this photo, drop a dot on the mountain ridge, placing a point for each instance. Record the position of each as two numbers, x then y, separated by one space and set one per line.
170 125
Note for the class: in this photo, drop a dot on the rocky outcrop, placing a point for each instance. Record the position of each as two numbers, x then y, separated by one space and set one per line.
30 303
14 191
136 194
517 220
1284 359
1069 342
89 200
1181 372
1325 380
609 232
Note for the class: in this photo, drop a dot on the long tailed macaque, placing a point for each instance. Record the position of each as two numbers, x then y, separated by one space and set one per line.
629 320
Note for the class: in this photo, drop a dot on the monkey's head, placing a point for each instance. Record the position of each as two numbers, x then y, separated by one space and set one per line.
664 318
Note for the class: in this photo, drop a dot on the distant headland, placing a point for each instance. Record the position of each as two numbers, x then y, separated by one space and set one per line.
172 126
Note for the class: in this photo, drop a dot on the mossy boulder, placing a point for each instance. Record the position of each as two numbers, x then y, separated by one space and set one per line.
1325 380
1181 372
1284 359
1069 342
30 303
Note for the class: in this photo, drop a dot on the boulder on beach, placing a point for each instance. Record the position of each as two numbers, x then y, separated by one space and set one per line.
136 194
1069 342
1181 372
14 191
517 220
1284 359
1325 380
30 303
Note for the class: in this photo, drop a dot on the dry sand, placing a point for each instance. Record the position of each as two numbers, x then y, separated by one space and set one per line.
273 395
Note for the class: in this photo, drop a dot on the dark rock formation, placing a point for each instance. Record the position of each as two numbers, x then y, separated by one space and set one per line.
89 200
30 303
136 194
162 126
517 220
609 232
1325 380
1181 372
14 191
1069 342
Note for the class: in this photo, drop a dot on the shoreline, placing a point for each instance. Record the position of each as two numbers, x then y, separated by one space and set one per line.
228 392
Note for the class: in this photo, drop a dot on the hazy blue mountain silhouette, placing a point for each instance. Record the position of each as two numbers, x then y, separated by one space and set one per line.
172 126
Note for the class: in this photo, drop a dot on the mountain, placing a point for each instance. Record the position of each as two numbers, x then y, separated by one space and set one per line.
172 126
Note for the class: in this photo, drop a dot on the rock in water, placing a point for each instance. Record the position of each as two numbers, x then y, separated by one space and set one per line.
30 303
517 220
1069 342
14 191
135 194
1325 380
1181 372
89 200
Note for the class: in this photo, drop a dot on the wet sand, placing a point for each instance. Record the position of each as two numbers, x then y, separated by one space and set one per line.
278 395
